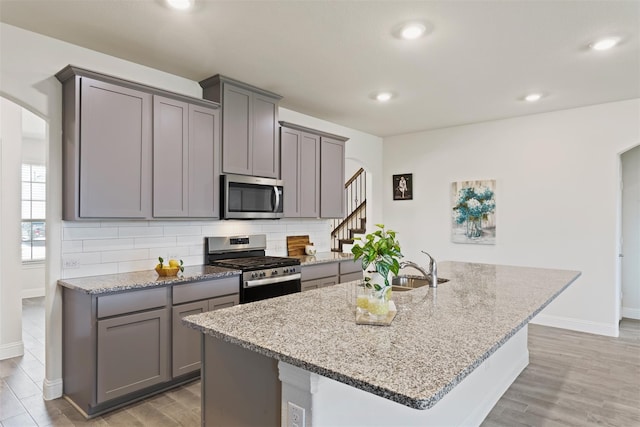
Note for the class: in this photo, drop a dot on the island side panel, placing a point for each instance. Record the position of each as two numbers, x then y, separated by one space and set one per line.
239 387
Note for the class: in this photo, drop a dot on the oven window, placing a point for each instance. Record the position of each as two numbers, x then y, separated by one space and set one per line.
250 198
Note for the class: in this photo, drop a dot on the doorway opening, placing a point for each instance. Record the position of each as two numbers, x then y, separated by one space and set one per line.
630 234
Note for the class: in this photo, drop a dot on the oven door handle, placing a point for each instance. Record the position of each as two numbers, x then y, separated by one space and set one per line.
271 280
276 205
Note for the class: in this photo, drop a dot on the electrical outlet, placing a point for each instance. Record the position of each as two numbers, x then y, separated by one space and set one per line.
71 263
295 415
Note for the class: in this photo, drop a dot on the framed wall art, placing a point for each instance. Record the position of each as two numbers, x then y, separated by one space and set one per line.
403 186
473 207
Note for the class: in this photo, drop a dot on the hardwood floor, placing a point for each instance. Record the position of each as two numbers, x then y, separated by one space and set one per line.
573 379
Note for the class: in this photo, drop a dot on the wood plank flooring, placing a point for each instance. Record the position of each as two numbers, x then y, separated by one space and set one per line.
573 379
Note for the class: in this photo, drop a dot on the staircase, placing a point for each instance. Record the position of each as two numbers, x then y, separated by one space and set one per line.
355 223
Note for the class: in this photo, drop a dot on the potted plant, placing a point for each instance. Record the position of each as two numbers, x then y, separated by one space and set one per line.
381 250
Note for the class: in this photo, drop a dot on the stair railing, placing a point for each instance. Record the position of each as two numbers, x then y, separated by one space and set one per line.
355 194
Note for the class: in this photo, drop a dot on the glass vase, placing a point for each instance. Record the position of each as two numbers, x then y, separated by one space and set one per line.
474 228
378 304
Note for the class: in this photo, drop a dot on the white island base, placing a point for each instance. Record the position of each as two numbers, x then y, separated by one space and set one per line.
330 403
232 374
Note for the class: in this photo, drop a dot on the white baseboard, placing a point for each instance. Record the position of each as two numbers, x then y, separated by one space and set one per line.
32 293
52 389
13 349
610 330
631 313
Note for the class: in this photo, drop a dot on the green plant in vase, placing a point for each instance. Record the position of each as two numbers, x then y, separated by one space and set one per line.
381 250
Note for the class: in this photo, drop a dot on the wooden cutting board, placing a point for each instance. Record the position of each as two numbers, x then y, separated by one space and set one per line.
296 244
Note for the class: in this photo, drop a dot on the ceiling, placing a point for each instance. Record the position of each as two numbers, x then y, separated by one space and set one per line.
327 58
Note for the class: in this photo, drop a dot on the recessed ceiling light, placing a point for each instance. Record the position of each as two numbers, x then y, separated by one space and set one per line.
533 97
605 44
384 96
412 30
180 4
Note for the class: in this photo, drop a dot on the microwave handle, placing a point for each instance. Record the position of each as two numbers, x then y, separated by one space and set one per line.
276 193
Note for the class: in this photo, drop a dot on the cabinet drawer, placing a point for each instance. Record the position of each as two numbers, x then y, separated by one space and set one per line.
351 277
205 289
129 302
350 266
318 283
311 272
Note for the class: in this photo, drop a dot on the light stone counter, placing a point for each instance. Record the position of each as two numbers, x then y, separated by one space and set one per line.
323 258
109 283
438 337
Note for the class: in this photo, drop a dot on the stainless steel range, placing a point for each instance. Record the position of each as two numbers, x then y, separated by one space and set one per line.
262 276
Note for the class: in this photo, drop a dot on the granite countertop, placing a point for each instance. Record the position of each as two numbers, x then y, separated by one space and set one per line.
438 337
323 258
143 279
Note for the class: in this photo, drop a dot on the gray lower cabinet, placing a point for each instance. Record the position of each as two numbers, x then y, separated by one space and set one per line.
250 143
331 273
133 353
350 271
319 275
187 342
196 298
117 347
185 160
300 171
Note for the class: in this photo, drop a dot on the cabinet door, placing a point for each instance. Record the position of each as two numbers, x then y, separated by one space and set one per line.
318 283
309 193
236 131
115 151
170 158
204 149
265 141
133 353
332 178
186 341
289 170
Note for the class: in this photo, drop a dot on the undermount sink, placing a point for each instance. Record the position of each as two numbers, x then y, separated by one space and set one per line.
407 283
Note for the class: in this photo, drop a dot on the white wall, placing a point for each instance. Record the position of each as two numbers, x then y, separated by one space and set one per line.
29 80
557 196
10 259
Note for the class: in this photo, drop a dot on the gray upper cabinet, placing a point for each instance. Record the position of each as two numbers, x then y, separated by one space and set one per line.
312 169
332 173
300 171
112 141
185 159
250 143
114 151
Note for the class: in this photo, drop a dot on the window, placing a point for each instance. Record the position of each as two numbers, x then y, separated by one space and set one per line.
33 212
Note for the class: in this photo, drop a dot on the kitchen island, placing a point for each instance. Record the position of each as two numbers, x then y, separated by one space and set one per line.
445 360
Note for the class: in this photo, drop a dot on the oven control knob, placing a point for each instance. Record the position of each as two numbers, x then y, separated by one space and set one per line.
274 272
262 274
253 275
285 270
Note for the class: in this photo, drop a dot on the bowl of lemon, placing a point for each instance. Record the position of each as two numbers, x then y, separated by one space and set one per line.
169 270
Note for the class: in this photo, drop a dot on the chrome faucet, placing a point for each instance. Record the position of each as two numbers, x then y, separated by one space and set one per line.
404 264
433 266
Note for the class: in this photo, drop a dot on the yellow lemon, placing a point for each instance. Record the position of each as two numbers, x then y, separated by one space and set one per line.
158 266
174 263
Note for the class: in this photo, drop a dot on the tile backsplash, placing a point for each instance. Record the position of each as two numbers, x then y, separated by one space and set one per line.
106 247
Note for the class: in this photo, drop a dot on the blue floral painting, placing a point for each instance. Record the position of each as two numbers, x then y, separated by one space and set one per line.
473 212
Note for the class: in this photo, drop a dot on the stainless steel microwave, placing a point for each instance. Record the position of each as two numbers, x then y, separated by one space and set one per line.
250 197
